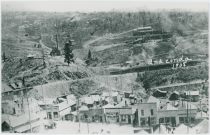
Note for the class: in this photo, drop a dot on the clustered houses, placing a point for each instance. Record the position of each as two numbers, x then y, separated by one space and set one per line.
107 107
127 110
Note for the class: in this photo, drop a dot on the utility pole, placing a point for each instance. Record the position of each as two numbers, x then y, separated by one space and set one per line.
88 125
78 112
187 117
44 99
190 113
29 113
200 108
78 116
159 126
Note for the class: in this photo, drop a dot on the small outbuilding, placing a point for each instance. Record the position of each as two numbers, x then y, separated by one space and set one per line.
159 93
174 96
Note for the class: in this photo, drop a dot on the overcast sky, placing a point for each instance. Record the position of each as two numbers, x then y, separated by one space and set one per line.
102 5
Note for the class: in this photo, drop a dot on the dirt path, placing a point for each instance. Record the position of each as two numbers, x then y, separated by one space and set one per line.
87 44
179 84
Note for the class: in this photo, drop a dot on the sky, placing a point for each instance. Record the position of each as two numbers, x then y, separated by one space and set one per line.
102 5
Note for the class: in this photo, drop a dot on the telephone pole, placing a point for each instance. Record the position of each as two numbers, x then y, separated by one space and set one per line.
29 114
78 116
187 117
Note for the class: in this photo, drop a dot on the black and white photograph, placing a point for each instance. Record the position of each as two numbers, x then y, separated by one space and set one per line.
105 66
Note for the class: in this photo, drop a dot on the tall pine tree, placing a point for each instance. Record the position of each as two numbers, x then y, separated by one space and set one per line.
89 58
89 55
68 54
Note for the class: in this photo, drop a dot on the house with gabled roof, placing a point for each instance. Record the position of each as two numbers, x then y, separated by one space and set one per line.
22 123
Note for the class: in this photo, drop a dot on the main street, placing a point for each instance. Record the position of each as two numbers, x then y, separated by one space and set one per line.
94 128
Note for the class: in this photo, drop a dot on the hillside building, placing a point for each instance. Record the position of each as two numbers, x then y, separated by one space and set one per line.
192 95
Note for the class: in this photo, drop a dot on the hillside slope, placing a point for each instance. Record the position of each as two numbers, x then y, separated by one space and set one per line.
96 84
33 69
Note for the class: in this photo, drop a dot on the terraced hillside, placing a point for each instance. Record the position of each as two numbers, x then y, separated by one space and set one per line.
109 36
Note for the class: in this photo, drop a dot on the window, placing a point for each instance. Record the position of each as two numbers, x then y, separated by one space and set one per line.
14 112
152 113
49 115
55 114
142 112
123 118
152 121
161 120
192 119
181 119
186 119
173 121
143 122
167 120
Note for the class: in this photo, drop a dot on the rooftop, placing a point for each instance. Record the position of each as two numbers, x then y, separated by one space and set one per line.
108 106
192 93
5 88
83 108
15 121
152 99
168 106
